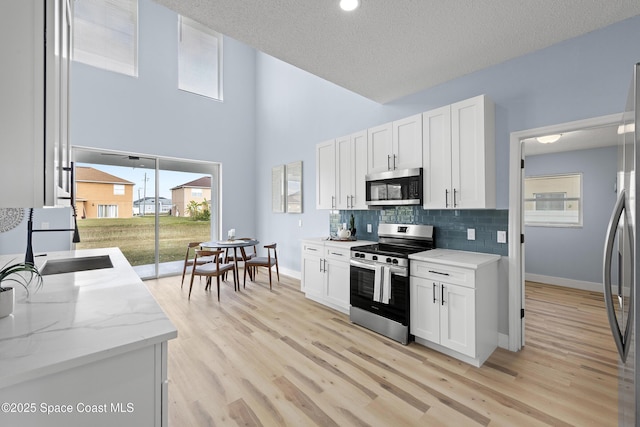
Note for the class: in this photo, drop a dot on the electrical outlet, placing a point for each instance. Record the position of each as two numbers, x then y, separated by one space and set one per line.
471 234
502 237
368 228
299 223
344 225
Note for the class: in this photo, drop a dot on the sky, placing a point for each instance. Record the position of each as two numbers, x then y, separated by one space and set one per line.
168 179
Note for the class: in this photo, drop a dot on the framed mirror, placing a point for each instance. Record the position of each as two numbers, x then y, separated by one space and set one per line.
294 187
278 189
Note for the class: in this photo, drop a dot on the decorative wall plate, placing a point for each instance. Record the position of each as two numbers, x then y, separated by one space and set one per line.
10 218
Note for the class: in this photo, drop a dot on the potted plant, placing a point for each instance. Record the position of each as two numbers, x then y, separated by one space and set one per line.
14 273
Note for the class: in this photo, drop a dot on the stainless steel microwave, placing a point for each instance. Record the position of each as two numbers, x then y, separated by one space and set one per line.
393 188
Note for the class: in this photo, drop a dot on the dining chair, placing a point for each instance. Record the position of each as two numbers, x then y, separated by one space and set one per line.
188 261
211 269
269 261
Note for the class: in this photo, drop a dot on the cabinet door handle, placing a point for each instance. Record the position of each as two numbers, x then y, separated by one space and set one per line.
320 265
442 294
437 272
394 162
333 202
455 203
388 164
352 197
312 249
446 198
434 292
337 254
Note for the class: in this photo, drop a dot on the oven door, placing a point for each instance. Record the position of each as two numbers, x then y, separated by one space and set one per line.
363 276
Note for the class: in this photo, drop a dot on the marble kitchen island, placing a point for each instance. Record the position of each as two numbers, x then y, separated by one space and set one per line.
89 348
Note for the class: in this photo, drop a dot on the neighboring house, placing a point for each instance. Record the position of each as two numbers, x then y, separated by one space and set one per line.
147 206
102 195
198 190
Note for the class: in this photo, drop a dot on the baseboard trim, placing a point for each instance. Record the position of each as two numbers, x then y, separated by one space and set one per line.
561 281
291 273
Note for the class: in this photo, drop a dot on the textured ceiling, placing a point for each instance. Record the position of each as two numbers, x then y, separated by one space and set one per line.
390 48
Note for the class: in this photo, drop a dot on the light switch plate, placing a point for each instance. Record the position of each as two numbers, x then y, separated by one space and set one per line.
471 234
502 237
299 223
368 228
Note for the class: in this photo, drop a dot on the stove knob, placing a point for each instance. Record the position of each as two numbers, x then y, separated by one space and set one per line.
361 255
388 259
395 261
375 257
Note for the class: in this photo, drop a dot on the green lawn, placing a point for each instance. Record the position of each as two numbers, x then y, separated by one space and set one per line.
135 236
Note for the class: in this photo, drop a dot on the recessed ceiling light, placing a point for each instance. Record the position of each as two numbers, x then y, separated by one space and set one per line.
349 5
548 139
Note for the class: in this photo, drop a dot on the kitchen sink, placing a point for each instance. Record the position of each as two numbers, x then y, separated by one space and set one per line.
72 265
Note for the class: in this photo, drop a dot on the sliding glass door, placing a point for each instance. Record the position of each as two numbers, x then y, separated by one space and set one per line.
150 207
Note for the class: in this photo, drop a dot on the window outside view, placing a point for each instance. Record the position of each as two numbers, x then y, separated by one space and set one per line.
116 208
553 200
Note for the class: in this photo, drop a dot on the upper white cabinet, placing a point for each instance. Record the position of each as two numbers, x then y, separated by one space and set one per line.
396 145
326 175
34 115
341 167
459 155
351 169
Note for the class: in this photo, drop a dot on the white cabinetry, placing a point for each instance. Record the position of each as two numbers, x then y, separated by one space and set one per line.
34 155
459 155
351 169
326 175
454 309
312 282
123 389
326 272
341 167
396 145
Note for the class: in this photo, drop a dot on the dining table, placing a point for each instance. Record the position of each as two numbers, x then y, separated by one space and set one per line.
229 244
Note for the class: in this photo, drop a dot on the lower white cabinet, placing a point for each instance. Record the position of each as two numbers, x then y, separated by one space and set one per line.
326 272
454 308
123 389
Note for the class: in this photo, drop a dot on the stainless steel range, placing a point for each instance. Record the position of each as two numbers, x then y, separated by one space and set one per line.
380 278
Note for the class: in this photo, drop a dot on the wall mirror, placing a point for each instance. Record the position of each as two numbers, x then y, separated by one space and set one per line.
294 187
278 188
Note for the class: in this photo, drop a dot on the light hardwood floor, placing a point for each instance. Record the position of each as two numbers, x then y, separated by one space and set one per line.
261 358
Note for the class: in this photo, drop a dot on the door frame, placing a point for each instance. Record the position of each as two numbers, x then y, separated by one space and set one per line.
516 182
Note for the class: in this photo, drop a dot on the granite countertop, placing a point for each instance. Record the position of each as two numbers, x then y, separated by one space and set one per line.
78 318
454 258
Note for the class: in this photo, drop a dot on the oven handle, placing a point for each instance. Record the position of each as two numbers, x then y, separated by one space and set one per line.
398 271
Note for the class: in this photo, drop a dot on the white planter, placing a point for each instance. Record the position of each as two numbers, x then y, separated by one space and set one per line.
7 299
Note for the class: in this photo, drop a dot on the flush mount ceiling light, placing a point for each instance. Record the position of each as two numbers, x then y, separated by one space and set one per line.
349 5
548 139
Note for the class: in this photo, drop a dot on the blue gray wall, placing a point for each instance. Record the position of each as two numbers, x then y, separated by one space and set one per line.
584 77
574 253
150 115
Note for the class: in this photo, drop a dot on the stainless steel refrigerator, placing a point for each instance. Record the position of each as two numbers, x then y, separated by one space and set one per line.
621 261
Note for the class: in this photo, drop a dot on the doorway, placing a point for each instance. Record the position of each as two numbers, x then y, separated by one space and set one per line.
149 206
517 166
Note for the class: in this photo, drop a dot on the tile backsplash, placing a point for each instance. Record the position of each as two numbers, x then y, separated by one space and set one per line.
451 225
